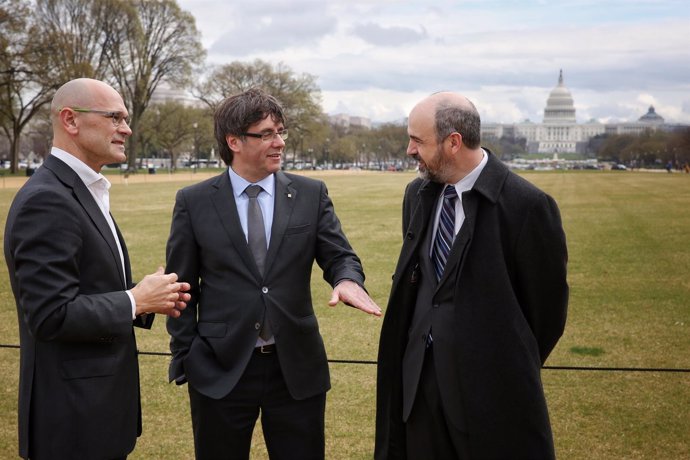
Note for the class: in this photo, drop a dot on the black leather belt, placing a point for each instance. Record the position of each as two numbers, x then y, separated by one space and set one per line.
265 349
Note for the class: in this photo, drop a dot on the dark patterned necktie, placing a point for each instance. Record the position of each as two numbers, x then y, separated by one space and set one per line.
445 231
256 232
256 239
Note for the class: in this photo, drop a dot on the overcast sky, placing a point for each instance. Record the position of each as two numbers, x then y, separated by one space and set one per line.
377 58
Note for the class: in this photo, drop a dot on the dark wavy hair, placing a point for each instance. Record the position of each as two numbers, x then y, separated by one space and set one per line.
235 114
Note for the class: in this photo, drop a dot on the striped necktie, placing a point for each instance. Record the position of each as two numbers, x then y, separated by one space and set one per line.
445 231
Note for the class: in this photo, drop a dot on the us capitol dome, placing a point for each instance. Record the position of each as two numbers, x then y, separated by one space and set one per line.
560 107
559 131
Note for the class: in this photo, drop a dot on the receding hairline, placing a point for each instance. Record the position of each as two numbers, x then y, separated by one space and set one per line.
443 100
78 92
446 99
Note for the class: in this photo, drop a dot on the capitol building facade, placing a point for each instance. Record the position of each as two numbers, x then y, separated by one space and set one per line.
560 132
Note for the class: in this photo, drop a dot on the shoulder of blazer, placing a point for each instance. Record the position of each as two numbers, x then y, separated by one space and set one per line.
209 185
71 182
421 189
288 179
492 178
413 187
60 170
497 177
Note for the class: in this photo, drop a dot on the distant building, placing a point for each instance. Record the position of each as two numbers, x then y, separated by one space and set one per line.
347 121
560 133
166 93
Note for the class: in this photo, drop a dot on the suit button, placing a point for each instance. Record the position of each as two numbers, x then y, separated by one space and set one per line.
409 236
257 326
435 305
264 289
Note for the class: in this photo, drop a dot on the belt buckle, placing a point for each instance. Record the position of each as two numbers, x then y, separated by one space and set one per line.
266 349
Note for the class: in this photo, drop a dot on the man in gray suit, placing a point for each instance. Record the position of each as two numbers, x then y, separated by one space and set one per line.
249 341
478 301
70 274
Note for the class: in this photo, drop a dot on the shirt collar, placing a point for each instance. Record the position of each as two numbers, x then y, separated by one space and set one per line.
239 183
85 173
467 182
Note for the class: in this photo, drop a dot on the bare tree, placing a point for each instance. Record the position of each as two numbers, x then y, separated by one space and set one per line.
161 43
78 34
133 44
23 89
299 95
171 128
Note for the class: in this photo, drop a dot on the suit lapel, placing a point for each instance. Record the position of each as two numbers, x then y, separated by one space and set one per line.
125 254
464 236
223 200
283 205
71 179
488 186
416 230
87 201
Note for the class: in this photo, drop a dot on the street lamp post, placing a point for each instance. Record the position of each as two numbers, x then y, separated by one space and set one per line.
325 153
196 147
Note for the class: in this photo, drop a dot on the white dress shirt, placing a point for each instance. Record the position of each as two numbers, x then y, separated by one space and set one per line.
463 185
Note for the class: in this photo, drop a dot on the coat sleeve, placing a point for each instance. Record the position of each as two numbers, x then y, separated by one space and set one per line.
58 300
182 257
542 258
334 254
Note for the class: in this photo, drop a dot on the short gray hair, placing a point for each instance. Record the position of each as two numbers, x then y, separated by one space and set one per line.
451 118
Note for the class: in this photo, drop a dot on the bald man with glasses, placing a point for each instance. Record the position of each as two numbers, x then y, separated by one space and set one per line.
70 274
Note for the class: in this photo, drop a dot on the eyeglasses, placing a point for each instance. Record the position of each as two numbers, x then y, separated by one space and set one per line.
117 117
268 136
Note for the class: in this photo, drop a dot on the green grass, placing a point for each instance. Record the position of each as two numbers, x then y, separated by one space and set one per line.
630 307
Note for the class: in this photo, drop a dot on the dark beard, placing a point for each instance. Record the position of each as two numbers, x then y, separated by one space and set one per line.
439 173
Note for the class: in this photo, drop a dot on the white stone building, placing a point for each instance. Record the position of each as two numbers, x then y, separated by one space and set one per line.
560 133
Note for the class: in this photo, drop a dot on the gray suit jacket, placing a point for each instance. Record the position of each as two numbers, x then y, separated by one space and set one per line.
78 380
213 339
499 310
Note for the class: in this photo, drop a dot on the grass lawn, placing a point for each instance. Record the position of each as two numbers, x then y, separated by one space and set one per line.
629 273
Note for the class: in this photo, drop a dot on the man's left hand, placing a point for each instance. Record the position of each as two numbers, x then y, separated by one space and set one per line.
352 294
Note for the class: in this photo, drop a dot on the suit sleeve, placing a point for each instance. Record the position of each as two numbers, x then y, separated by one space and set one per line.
57 299
182 257
542 257
334 254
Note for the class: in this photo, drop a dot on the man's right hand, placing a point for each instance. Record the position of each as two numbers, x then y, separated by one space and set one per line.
161 293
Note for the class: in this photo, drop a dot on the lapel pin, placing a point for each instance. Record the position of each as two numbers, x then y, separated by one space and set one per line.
289 195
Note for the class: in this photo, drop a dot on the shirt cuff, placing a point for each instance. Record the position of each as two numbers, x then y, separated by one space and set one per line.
134 305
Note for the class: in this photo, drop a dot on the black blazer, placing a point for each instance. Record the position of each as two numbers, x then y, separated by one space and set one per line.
502 308
78 380
213 339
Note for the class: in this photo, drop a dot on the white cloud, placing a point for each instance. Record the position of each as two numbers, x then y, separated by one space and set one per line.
376 58
394 36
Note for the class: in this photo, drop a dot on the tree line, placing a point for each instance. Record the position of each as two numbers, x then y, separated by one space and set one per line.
648 149
137 45
132 44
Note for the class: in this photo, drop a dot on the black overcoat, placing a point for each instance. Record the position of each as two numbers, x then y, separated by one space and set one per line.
501 308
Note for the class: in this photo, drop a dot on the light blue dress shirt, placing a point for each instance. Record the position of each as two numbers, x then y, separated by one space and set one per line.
266 200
